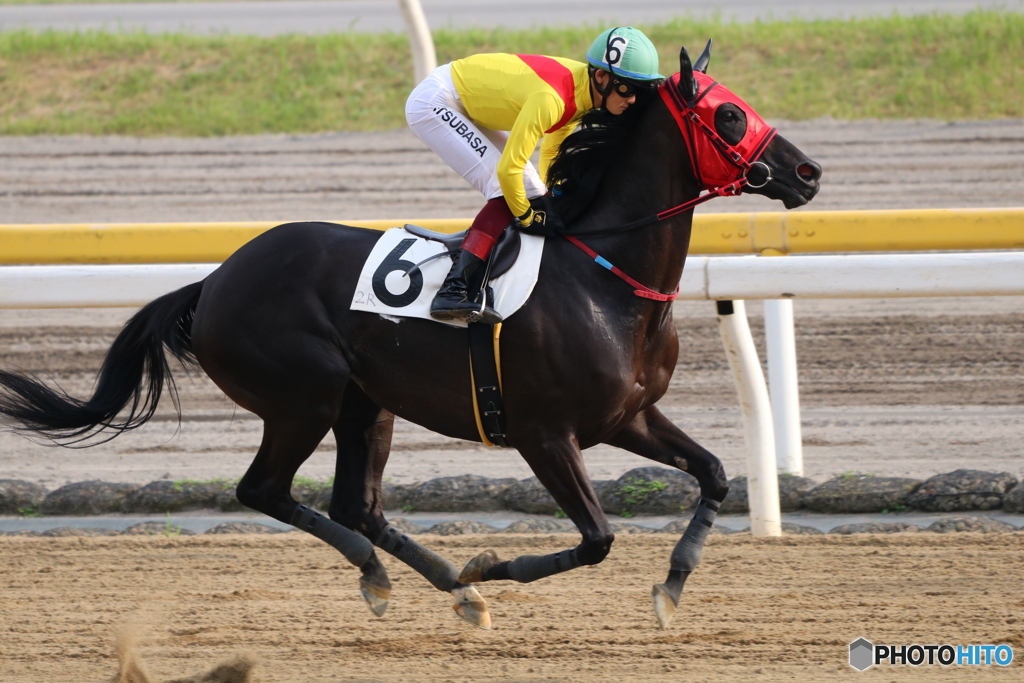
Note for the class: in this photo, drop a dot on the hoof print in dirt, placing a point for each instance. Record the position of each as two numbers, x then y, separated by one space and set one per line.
243 528
963 491
86 498
174 496
650 491
539 526
985 525
875 528
462 526
1014 500
168 529
792 490
529 496
465 493
18 497
856 493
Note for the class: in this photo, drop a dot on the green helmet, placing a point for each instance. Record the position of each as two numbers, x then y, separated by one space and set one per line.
624 51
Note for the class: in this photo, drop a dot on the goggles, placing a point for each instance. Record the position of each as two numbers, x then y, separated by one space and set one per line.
626 89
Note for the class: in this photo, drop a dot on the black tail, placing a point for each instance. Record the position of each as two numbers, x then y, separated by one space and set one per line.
133 373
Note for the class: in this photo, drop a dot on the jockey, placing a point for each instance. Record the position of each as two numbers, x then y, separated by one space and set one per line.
485 114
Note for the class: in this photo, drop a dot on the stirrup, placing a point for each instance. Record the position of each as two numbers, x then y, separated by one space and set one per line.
484 312
487 316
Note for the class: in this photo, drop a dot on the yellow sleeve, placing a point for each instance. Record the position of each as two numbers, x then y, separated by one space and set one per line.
541 111
549 150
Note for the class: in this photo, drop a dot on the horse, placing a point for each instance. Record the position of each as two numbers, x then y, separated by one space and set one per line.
584 360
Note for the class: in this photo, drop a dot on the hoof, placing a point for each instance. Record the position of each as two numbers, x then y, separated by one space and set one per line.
376 597
474 570
664 605
471 607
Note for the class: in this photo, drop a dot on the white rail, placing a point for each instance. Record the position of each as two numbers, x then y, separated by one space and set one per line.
424 59
783 388
762 474
705 277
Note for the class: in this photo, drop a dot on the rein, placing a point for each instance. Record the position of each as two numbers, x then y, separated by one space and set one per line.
680 108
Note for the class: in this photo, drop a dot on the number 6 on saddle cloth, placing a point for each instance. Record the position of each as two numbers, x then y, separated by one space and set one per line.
407 266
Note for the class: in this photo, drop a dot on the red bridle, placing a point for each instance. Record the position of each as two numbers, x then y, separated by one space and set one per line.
716 164
722 169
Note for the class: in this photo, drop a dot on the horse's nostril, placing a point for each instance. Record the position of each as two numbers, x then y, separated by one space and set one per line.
809 171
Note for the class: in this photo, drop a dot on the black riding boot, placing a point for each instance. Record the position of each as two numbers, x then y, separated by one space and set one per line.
459 296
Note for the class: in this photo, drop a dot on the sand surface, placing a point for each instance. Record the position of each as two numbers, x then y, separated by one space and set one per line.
756 610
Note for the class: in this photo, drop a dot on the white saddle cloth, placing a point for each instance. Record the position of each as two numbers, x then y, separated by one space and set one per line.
385 289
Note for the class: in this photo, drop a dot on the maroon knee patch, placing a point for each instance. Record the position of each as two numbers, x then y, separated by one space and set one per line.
487 227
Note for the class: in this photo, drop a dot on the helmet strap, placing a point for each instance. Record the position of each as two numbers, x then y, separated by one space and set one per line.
606 90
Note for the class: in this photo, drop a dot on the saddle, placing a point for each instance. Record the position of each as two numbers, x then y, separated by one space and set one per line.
502 257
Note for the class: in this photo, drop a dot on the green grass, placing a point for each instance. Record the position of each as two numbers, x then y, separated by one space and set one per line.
945 67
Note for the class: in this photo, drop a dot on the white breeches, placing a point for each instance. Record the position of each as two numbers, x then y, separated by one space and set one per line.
437 117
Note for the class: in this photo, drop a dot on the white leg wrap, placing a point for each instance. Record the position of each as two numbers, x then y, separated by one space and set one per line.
686 554
354 546
441 573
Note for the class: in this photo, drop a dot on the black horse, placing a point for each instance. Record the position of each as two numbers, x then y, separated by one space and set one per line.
584 362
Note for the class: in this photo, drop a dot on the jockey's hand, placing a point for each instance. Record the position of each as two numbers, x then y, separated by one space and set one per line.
541 219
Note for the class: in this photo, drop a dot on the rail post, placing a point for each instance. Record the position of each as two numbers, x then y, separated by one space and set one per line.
783 388
424 59
762 475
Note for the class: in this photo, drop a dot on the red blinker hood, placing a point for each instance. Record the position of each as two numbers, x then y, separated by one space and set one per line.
715 163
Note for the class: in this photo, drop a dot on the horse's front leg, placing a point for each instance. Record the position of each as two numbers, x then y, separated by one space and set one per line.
558 464
653 436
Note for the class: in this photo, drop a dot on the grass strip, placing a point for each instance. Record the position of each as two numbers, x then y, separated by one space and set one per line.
936 66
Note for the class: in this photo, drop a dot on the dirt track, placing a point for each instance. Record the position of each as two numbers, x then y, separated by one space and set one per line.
901 387
763 610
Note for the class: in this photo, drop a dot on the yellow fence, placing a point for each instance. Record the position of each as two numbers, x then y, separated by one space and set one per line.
749 233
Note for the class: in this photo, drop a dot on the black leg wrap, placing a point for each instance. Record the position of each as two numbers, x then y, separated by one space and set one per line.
356 548
442 574
527 568
686 554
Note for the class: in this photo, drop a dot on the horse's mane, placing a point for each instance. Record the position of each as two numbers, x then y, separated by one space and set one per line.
584 156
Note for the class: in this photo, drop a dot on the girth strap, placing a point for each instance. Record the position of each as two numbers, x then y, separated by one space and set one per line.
487 401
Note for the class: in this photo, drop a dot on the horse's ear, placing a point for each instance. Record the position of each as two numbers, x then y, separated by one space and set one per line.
687 83
702 61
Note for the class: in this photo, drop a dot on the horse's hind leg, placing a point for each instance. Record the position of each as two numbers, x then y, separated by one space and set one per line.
363 432
653 436
266 486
